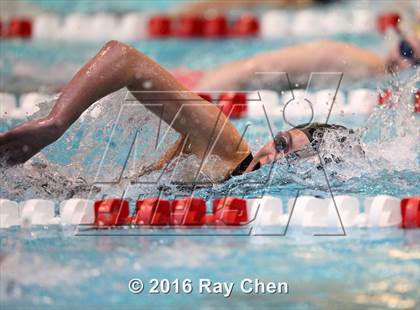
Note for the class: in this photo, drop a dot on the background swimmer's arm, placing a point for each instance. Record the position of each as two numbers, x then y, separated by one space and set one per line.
221 6
116 66
298 61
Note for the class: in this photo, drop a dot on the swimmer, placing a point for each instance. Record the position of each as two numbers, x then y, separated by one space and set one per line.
118 65
223 6
300 60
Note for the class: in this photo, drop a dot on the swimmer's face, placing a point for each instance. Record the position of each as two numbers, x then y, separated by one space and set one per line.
396 62
268 153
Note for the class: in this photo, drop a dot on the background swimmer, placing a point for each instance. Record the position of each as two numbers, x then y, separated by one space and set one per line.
300 60
220 6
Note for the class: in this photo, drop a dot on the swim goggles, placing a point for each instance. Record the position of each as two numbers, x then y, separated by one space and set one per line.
407 51
282 141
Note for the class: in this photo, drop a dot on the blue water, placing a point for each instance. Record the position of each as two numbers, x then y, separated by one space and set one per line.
51 268
123 6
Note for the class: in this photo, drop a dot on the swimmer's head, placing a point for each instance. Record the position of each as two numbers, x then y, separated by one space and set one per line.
405 55
302 141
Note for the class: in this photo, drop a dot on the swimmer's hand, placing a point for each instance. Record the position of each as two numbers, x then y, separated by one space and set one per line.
265 155
21 143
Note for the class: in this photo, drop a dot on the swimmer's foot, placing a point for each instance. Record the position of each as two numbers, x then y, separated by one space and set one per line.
21 143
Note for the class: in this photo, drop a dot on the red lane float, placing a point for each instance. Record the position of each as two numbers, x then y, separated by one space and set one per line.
388 20
215 26
160 26
112 212
246 25
190 26
379 211
19 28
188 212
209 219
152 211
233 105
384 96
410 212
230 211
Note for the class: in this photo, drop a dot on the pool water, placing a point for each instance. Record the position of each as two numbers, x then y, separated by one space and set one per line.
52 268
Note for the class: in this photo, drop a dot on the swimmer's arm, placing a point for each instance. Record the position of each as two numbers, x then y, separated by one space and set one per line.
118 65
298 61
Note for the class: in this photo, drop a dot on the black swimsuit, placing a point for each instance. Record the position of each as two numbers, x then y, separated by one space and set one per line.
240 169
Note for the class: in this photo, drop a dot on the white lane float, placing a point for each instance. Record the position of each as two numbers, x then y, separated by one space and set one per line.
38 212
76 27
8 105
275 24
297 106
362 21
263 100
382 211
77 211
29 103
266 211
361 101
9 213
307 23
103 26
308 211
328 101
348 209
336 21
132 26
46 27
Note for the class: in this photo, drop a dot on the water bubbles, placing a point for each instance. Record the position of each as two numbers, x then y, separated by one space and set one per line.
381 157
147 84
